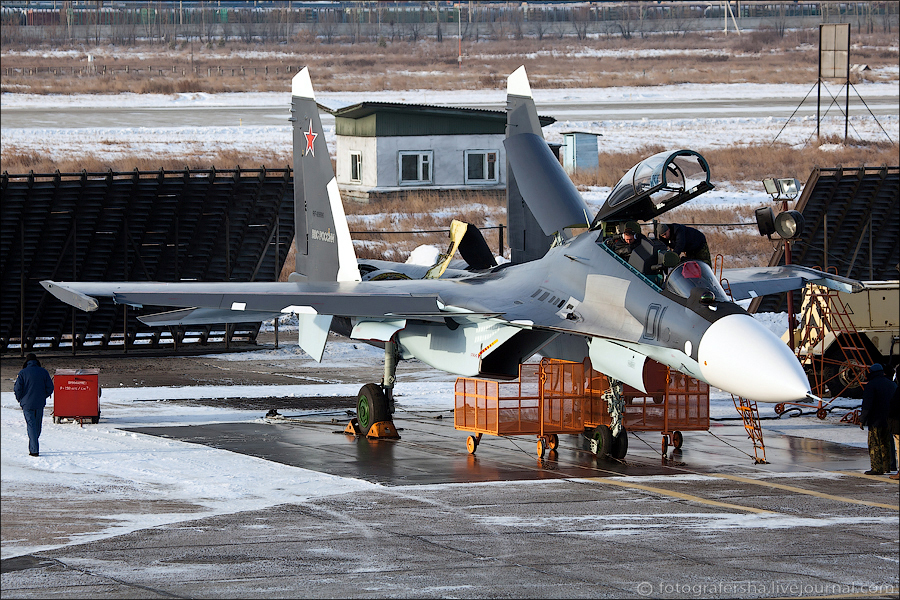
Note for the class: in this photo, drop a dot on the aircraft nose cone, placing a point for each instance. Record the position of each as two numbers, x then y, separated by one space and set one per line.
739 355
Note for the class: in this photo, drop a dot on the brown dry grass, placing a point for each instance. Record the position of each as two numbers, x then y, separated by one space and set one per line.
755 57
744 164
422 211
755 163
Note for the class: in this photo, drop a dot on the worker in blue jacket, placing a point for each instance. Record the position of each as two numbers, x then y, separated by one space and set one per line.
685 241
33 386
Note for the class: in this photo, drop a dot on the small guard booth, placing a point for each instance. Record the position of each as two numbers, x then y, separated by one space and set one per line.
76 395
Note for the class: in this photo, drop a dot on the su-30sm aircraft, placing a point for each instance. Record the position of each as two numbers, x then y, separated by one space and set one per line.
565 294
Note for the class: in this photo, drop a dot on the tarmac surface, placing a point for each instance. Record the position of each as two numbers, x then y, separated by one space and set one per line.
705 521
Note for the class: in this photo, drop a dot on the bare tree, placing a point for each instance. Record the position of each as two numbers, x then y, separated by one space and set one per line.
245 25
413 30
208 20
516 23
437 18
539 28
581 17
779 19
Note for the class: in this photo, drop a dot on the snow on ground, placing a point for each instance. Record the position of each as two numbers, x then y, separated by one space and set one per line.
693 129
124 465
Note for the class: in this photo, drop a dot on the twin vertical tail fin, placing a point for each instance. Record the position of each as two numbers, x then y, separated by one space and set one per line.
324 248
527 240
542 202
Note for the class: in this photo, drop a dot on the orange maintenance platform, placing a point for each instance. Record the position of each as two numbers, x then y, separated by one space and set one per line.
555 397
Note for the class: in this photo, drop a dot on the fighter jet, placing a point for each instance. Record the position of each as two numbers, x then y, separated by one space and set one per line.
566 291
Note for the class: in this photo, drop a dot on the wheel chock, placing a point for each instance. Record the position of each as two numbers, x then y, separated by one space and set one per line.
352 427
383 430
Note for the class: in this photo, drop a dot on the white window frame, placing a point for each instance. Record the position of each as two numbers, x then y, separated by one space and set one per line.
425 157
356 161
485 162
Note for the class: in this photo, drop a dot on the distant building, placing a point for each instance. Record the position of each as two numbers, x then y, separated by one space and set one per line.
579 151
385 148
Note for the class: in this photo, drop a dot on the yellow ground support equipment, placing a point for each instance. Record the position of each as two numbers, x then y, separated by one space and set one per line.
381 430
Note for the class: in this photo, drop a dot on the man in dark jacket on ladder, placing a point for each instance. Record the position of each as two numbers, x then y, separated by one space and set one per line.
32 388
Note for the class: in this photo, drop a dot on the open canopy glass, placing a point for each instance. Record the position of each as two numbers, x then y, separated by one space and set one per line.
655 185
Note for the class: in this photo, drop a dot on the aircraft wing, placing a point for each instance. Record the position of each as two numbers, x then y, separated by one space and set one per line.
255 298
758 281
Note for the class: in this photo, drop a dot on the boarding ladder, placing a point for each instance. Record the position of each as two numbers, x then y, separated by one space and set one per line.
750 415
824 313
719 271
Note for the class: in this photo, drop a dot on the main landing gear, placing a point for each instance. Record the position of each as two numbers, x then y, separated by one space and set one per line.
603 443
375 403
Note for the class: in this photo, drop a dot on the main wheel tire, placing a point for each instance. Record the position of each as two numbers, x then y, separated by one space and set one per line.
601 443
677 440
371 407
619 445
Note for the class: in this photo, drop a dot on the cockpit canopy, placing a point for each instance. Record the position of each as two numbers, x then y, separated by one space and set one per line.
695 274
656 185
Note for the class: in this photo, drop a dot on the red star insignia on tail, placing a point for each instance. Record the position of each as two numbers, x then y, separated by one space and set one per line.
310 138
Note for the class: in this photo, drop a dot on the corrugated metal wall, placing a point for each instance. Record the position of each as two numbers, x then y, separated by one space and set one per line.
208 225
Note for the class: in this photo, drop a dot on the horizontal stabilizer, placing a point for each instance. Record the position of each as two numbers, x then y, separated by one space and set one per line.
333 298
475 250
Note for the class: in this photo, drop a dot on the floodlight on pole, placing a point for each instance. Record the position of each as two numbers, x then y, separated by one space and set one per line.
788 225
782 189
789 188
771 187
